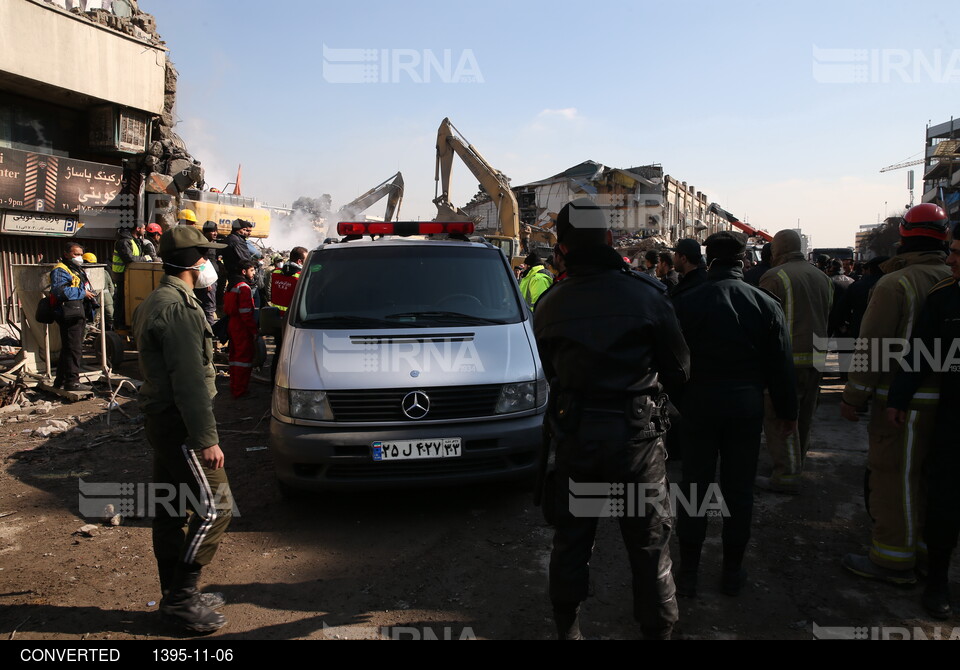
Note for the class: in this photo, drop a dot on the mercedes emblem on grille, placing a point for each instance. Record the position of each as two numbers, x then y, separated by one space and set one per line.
415 404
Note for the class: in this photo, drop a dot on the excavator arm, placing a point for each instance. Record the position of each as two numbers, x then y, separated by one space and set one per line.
391 188
492 181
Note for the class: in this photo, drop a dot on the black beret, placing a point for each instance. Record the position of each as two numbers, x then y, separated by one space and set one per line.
726 244
580 214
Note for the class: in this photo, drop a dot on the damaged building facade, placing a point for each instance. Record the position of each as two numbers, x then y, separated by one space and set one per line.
941 173
641 202
86 130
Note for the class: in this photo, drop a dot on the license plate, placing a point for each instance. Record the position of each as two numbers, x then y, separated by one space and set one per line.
408 450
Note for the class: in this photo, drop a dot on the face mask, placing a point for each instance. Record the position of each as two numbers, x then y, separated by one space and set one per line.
77 260
208 276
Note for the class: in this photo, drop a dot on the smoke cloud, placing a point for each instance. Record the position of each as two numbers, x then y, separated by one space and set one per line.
295 230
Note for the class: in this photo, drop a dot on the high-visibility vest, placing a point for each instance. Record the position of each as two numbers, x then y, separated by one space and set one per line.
281 289
118 264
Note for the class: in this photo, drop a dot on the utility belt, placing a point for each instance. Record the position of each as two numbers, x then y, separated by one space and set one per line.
648 413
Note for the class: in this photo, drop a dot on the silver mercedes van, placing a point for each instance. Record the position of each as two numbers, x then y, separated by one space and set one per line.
406 362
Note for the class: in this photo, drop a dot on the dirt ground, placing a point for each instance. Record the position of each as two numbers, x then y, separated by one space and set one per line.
445 563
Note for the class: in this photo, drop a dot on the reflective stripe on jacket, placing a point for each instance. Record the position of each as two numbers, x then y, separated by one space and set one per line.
282 286
806 294
238 305
535 282
893 311
119 264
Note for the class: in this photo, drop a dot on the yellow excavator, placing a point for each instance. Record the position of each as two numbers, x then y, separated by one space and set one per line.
493 182
392 187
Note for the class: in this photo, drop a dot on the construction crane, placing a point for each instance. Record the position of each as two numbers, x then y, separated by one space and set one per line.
751 231
898 166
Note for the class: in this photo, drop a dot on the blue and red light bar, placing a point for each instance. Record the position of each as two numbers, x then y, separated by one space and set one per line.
405 228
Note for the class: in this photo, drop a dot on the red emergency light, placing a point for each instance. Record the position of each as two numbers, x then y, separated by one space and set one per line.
405 228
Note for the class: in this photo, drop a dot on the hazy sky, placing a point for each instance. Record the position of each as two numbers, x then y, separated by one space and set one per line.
776 112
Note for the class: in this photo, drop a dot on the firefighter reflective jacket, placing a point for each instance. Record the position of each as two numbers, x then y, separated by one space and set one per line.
893 311
282 284
126 250
806 294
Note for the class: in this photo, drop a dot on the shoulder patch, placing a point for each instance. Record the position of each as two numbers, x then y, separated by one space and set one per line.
642 276
943 283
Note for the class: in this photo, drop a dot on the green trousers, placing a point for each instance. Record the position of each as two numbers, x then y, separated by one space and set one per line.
192 504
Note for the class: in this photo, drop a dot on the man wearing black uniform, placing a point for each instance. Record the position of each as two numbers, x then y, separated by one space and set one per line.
939 323
689 260
609 343
237 250
739 345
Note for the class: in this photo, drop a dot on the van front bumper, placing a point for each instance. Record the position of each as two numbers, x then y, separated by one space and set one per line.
341 458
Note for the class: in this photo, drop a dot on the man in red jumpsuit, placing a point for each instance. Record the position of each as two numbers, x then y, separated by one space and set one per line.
238 305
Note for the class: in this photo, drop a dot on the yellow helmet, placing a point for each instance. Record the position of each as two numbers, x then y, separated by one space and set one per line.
89 258
188 215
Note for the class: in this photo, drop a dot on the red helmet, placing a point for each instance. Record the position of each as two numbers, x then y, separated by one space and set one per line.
154 228
926 220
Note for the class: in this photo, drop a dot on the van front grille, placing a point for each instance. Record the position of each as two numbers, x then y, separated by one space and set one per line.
446 402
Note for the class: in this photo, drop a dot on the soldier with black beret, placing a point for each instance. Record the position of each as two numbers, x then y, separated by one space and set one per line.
739 346
610 346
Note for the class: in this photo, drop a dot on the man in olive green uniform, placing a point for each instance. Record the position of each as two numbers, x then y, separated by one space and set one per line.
897 454
176 361
807 296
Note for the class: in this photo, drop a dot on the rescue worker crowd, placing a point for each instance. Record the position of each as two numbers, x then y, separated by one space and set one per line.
236 286
704 363
727 358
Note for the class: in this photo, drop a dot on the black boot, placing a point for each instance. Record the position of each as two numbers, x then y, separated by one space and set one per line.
936 597
734 576
689 566
212 601
167 572
567 618
183 605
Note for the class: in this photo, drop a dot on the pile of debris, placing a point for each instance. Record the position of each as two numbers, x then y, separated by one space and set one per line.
124 16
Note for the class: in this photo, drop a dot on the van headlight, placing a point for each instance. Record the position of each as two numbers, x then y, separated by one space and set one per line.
310 405
523 396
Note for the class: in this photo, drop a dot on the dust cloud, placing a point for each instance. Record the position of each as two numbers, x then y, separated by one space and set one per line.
295 230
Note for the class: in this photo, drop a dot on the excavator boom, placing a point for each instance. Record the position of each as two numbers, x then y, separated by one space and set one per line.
391 188
492 181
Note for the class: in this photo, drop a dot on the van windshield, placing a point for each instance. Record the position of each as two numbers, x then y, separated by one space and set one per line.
409 286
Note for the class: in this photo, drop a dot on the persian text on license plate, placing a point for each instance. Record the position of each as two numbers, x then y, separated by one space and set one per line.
400 450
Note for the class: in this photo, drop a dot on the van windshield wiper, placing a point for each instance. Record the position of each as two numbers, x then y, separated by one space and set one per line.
444 316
